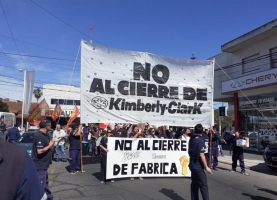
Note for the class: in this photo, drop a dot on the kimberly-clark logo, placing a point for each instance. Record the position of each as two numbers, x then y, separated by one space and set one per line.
237 84
99 102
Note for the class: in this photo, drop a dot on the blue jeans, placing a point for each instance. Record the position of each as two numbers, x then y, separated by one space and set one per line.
220 149
61 148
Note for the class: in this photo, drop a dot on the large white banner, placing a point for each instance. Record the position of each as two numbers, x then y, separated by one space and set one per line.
119 86
29 79
145 157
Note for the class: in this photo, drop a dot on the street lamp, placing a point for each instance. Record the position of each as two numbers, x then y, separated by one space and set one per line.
192 57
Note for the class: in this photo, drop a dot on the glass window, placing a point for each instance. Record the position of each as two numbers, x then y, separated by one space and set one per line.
54 101
69 102
77 102
273 57
62 101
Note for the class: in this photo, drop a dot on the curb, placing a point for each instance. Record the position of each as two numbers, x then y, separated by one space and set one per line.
229 163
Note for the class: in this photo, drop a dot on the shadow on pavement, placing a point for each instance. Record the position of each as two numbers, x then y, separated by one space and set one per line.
97 175
171 194
91 160
267 190
263 168
256 197
224 168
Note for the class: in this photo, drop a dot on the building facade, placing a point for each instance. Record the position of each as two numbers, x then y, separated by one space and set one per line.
246 78
66 96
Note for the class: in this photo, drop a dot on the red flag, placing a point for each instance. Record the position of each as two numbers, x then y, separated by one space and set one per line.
73 116
38 112
57 112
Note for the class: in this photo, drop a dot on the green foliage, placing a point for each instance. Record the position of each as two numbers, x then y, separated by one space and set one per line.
38 93
4 107
225 121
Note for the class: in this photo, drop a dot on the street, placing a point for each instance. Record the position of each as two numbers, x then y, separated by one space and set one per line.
260 185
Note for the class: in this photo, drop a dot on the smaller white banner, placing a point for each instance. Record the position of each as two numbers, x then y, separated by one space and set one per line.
145 157
29 79
251 81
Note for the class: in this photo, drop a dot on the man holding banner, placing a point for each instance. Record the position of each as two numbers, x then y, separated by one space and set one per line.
197 165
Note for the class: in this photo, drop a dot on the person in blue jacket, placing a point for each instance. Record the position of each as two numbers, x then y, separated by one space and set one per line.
13 134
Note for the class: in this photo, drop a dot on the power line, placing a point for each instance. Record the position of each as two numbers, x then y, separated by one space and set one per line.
64 21
34 56
11 32
36 45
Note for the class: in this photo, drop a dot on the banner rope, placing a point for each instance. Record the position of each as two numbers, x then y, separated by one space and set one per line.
71 80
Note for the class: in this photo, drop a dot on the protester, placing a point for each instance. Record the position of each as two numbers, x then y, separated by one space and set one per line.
206 138
162 134
59 136
124 134
116 131
178 133
197 164
214 141
22 183
74 149
135 134
221 142
185 135
237 154
151 133
13 134
171 133
104 151
41 154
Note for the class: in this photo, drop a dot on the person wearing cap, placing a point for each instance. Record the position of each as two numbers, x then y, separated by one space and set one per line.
197 164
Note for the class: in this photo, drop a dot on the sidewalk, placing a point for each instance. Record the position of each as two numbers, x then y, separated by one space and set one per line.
248 163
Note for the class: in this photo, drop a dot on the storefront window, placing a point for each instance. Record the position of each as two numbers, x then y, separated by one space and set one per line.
258 119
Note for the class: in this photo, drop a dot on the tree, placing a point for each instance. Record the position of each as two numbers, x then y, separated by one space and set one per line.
38 93
4 107
225 121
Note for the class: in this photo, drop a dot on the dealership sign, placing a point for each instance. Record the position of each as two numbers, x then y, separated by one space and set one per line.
251 81
119 86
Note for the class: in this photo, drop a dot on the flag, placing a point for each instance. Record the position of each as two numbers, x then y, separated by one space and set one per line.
38 112
73 116
57 112
29 78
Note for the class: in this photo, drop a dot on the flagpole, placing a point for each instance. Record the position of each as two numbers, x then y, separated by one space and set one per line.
81 152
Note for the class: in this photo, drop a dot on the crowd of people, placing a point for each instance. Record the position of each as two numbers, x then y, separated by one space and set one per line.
204 148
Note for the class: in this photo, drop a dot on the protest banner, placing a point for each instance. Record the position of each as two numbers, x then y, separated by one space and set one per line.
119 86
144 157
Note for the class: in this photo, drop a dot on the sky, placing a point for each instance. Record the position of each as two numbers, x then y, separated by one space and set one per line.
49 32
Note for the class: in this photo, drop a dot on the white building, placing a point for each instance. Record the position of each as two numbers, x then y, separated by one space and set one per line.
247 70
66 96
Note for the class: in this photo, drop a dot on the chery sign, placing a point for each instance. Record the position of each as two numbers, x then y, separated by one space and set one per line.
254 80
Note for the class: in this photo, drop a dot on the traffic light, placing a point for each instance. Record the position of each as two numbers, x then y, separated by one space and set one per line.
222 111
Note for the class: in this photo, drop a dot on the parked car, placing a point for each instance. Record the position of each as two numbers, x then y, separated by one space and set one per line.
270 156
26 140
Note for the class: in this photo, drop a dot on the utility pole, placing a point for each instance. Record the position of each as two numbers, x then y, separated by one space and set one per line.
91 28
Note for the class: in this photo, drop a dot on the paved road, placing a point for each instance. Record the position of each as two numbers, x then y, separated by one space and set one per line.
222 185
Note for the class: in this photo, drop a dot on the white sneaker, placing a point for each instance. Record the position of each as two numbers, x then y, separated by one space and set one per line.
102 181
132 179
141 178
112 181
